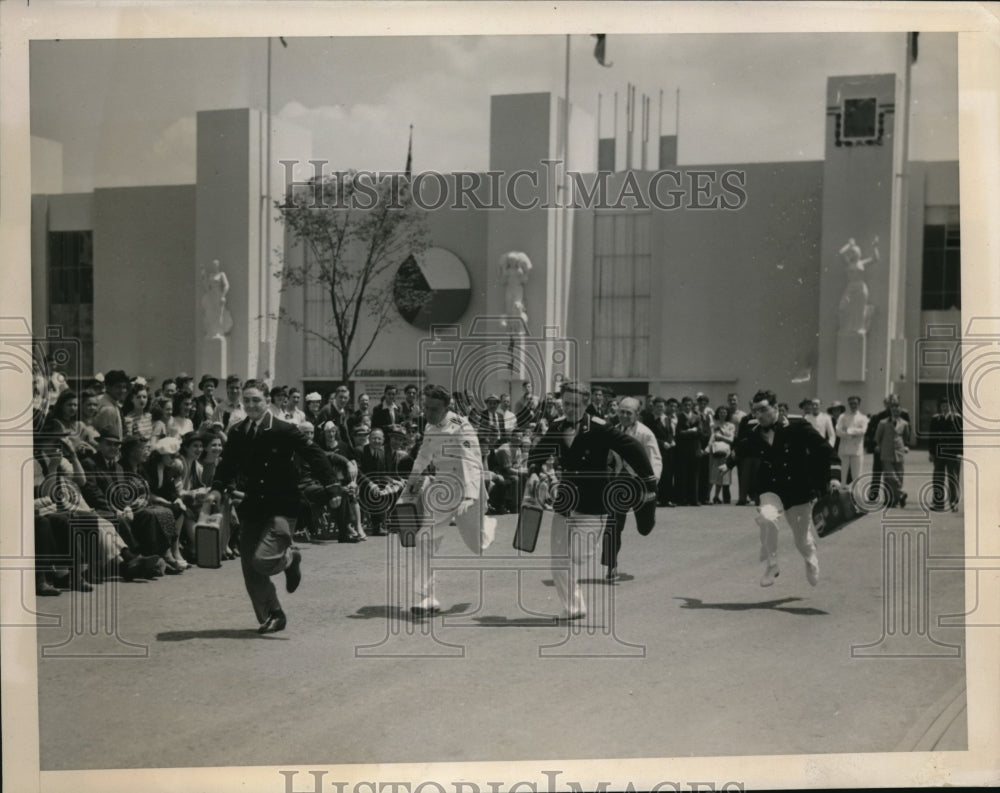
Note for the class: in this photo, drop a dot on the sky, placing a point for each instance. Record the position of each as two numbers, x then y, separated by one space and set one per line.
124 111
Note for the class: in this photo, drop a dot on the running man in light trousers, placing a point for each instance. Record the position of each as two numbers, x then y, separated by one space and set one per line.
797 465
449 449
580 443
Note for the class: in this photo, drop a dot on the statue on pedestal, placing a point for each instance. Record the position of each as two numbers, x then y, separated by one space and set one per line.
215 286
514 269
854 312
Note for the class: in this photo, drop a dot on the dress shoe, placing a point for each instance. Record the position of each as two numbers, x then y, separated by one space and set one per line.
812 571
293 575
45 589
770 574
902 500
276 622
613 574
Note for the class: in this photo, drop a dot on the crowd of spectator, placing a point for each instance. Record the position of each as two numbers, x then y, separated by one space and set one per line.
122 469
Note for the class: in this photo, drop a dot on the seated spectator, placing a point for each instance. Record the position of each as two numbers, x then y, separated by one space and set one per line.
162 472
346 514
192 487
180 423
161 413
138 416
163 529
510 464
89 404
64 418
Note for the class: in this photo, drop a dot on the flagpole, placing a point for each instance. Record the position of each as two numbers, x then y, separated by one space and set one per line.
896 368
564 253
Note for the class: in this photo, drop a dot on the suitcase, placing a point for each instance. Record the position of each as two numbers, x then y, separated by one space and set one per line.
529 521
405 520
834 511
208 542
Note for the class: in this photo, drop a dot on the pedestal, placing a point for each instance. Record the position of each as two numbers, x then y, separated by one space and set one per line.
852 363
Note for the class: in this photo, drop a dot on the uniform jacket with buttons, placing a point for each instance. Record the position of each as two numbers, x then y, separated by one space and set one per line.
798 465
264 467
583 464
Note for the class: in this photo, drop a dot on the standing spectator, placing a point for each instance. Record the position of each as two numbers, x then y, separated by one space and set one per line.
611 542
526 394
261 452
835 411
337 411
409 408
706 417
851 428
313 404
529 413
293 410
168 388
205 404
735 414
797 465
489 426
109 417
509 420
872 446
946 446
663 425
597 406
820 421
892 438
279 399
387 411
688 453
232 409
162 412
362 416
720 446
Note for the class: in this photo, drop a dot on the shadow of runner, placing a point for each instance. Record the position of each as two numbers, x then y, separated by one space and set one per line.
497 621
215 633
395 612
772 605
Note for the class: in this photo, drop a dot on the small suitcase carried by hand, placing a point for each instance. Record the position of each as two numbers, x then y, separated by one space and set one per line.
834 511
208 541
529 521
405 519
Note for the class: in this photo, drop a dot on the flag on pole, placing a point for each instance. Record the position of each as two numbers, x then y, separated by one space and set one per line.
409 154
599 48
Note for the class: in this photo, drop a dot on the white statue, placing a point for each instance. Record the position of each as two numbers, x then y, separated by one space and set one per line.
514 269
215 287
854 311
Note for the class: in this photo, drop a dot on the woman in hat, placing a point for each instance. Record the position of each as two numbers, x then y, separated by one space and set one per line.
191 486
162 472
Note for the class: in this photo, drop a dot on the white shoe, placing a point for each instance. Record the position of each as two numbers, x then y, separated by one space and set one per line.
812 571
428 605
769 574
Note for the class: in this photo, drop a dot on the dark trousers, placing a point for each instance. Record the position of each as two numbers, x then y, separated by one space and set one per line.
686 477
265 550
946 478
704 477
748 469
665 487
873 490
611 540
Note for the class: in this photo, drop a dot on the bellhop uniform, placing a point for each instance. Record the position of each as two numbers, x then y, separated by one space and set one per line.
262 465
451 448
582 501
795 468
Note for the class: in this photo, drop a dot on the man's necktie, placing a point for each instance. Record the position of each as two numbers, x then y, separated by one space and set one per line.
252 432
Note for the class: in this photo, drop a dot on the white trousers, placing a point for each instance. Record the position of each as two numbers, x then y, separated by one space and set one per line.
575 558
475 529
772 514
852 464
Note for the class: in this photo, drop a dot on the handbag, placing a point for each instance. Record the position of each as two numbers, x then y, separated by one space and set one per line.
720 448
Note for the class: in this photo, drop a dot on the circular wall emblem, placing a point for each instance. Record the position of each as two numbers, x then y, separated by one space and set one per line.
432 288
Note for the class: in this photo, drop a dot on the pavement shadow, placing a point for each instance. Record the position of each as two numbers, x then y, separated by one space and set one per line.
497 621
397 613
215 633
621 577
772 605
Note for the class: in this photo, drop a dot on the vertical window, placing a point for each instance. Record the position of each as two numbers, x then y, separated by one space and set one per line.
621 295
71 293
941 285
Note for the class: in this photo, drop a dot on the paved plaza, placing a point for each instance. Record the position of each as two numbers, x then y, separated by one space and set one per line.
685 656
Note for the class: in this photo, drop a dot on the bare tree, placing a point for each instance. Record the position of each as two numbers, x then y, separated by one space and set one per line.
354 231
